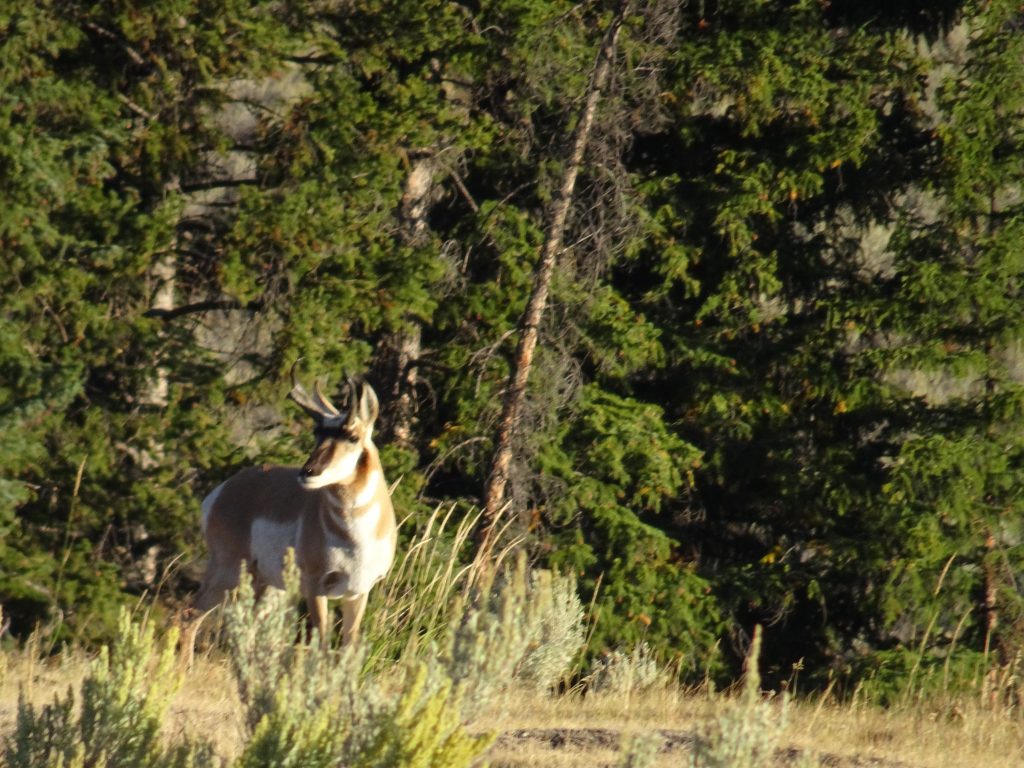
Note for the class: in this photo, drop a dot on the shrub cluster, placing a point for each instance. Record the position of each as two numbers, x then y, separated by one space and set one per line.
123 701
304 706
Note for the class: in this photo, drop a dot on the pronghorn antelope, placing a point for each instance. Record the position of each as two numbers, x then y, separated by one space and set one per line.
335 511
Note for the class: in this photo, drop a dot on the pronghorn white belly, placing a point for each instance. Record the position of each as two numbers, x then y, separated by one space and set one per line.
270 540
356 564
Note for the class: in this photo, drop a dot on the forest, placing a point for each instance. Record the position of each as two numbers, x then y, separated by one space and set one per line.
770 254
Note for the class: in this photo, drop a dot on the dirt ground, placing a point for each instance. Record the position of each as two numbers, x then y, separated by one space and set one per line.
601 748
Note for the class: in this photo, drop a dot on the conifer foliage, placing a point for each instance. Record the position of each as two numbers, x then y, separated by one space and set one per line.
778 380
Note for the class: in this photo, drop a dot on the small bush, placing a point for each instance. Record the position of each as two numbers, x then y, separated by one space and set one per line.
555 615
525 626
423 730
308 708
639 752
621 673
124 699
269 665
748 732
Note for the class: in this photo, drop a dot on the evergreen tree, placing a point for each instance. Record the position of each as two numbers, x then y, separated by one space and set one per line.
777 379
108 117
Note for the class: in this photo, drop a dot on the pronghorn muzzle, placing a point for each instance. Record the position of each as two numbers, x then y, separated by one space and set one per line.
316 465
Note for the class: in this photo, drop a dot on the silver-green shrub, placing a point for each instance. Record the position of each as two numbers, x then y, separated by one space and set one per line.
270 667
555 617
639 751
520 625
745 735
486 641
316 709
748 732
622 673
124 700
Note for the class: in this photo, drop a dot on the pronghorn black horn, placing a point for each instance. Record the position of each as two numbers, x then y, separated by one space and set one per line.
321 398
301 397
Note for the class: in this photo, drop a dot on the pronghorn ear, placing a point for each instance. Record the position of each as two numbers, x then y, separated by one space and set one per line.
369 407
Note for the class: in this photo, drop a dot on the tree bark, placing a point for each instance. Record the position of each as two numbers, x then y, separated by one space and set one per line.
164 273
991 599
402 348
515 389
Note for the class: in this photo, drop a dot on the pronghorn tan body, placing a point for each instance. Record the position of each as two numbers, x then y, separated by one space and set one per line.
335 512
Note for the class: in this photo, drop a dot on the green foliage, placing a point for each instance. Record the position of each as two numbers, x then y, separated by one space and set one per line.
780 379
905 676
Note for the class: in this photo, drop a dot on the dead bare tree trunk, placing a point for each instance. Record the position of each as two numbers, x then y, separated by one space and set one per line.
515 389
164 274
401 349
991 598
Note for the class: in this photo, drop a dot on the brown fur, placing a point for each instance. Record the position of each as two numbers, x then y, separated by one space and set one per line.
273 494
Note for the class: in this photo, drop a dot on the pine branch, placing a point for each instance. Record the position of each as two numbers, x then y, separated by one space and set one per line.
205 186
222 305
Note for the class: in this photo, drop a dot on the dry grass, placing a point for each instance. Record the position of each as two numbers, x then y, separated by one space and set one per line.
207 706
932 737
572 730
955 734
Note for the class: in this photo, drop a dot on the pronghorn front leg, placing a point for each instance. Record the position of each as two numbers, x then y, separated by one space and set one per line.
316 604
352 609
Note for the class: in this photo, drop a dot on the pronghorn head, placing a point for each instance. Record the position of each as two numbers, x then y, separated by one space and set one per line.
341 439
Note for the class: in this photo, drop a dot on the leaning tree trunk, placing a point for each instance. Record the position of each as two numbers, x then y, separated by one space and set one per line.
529 325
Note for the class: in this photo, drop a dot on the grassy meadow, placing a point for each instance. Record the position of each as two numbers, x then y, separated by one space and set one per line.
459 665
540 729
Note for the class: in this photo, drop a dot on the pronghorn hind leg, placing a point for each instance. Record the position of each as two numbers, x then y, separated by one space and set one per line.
352 609
189 621
218 581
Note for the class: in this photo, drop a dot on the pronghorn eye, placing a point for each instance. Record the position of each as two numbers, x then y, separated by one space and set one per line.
324 433
335 433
